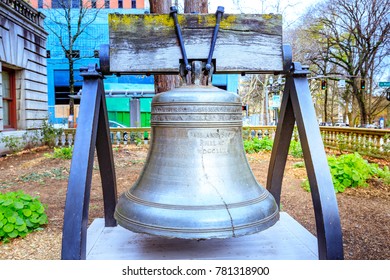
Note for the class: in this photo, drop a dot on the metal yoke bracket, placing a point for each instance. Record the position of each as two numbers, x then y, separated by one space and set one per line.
185 67
92 131
297 106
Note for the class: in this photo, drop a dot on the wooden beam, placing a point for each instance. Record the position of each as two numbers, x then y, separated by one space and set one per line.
148 43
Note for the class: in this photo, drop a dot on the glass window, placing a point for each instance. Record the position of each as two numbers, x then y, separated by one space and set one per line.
133 4
107 4
58 4
120 4
8 96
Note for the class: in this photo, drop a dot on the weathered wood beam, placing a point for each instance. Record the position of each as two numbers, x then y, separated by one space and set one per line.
148 43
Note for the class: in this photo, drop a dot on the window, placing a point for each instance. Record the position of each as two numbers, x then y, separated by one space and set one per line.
93 4
55 4
9 98
133 4
76 3
107 4
40 4
59 4
120 4
61 86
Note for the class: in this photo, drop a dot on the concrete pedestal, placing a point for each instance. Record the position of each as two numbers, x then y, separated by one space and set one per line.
286 240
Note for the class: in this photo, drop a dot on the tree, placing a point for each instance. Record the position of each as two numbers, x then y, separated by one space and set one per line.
164 83
67 20
196 6
356 31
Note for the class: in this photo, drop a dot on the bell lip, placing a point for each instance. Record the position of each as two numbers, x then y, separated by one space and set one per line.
235 222
196 233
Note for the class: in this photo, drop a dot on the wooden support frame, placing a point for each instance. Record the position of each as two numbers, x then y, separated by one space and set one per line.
92 131
297 106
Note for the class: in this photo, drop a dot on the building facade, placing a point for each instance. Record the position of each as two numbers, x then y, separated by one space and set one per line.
23 75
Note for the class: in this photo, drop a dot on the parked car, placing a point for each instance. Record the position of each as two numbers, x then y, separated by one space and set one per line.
368 126
114 124
325 124
341 124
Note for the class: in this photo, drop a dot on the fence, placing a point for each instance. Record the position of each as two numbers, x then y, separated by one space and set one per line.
372 142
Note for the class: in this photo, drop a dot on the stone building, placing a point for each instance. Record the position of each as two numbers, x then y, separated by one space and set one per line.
23 75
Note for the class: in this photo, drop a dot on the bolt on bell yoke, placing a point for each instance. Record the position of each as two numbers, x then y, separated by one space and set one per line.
196 182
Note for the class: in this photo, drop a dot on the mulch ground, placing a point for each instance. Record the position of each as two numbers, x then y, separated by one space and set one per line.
364 212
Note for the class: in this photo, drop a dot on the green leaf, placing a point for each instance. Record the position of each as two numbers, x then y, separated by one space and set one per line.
29 224
22 227
41 210
26 212
13 234
347 182
355 177
18 205
8 202
34 207
19 221
8 213
26 197
12 219
8 228
43 220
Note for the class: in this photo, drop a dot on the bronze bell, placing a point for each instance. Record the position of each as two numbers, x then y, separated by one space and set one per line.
196 182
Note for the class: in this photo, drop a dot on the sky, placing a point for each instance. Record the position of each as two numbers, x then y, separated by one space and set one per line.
291 10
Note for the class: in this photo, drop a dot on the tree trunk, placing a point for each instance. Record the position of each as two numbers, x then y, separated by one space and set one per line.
164 83
359 94
326 119
160 7
71 92
196 6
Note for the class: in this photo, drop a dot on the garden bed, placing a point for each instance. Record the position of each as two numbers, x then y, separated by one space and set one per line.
364 212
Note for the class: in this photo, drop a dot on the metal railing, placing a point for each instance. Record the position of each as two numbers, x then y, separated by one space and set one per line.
372 142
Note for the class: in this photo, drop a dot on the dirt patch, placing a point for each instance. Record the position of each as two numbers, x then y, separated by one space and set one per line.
364 212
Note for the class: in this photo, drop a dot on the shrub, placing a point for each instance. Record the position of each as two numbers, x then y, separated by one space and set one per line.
256 145
295 149
63 153
13 143
351 171
50 133
20 214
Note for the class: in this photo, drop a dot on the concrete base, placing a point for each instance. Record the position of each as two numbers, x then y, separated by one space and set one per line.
286 240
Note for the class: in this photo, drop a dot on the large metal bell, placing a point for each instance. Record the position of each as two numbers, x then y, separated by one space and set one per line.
196 183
